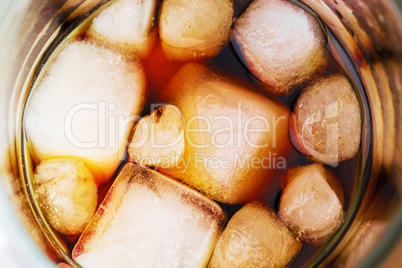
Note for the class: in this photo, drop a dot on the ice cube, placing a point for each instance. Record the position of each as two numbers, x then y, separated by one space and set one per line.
195 29
67 194
158 138
149 220
327 120
312 203
255 237
235 139
85 107
127 24
281 44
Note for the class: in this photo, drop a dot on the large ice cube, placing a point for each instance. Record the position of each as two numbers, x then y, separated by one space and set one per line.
281 44
327 120
255 237
149 220
127 24
85 106
312 203
195 29
235 139
67 194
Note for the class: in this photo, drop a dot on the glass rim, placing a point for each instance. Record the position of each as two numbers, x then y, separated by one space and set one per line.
36 257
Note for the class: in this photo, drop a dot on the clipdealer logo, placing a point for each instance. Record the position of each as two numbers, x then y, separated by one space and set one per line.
237 133
328 153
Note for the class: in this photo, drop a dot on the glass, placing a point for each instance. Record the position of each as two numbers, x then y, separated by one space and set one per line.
369 31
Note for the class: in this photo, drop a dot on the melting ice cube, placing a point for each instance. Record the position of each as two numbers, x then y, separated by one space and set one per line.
255 237
312 203
158 139
281 44
127 24
85 107
327 120
235 139
149 220
195 29
67 194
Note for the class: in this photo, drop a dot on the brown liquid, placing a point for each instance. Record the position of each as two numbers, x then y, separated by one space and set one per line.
160 70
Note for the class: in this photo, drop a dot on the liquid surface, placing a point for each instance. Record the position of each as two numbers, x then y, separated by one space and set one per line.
229 63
